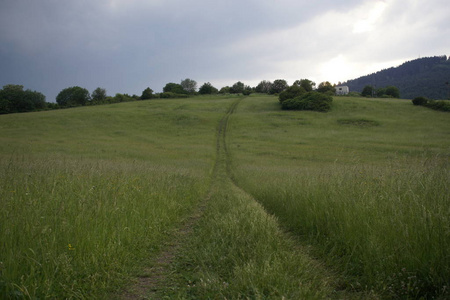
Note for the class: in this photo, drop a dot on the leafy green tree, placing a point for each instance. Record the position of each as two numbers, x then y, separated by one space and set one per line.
263 87
99 95
225 90
14 99
247 90
326 87
367 91
237 88
189 85
207 89
278 86
380 92
307 84
291 92
147 94
8 96
73 96
392 91
174 88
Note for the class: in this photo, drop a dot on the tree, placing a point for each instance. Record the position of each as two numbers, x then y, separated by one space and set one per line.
189 85
174 88
380 92
14 99
291 92
263 87
237 88
278 86
326 87
147 94
73 96
99 95
207 88
225 90
8 96
367 91
247 90
392 91
307 84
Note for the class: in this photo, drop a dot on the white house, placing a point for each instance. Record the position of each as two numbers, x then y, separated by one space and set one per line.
342 90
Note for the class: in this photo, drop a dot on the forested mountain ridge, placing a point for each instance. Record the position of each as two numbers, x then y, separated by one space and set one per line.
428 77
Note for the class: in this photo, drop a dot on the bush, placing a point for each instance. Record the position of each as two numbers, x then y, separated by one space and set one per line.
309 101
246 92
442 105
291 93
168 95
354 94
420 100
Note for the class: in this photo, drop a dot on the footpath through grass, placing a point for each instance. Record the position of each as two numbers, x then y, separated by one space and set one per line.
366 184
237 250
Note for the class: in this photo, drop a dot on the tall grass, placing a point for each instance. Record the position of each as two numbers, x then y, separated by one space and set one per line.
89 195
75 230
387 229
373 200
237 250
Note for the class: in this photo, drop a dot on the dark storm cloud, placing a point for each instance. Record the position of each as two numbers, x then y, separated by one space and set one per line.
125 46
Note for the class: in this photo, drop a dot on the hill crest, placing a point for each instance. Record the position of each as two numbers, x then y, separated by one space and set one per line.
427 76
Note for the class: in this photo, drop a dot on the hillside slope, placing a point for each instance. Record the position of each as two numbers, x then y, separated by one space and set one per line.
428 76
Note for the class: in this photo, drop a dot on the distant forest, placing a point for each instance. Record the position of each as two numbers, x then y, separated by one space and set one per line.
428 77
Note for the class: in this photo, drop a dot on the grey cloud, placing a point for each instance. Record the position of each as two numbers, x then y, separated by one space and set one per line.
125 46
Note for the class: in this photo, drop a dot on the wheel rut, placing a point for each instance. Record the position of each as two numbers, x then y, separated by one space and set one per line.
153 279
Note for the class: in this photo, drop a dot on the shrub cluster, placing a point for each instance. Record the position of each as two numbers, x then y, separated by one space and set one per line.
420 100
167 95
291 93
13 99
441 105
309 101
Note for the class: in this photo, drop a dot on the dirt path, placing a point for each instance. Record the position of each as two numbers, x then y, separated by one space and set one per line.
153 278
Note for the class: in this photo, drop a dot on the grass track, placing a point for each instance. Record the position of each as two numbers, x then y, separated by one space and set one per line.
238 251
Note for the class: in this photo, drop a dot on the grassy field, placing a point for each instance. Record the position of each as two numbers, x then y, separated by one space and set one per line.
353 203
366 184
89 194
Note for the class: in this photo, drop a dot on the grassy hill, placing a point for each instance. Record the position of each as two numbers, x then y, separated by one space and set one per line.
347 204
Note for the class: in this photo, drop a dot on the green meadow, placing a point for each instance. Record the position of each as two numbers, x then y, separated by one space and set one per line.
349 204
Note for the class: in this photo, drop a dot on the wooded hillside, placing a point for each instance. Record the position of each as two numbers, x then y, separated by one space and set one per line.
428 76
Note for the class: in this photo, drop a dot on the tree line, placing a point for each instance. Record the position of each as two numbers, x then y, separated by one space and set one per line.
13 98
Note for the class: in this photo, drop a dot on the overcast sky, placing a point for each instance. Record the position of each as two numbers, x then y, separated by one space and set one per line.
125 46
